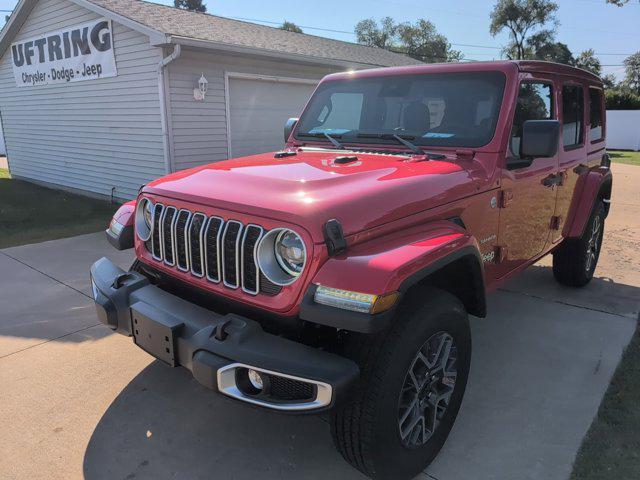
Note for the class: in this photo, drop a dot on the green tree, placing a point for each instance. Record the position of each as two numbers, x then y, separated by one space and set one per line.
632 72
419 40
291 27
588 61
385 35
621 100
521 18
422 41
192 5
542 46
609 81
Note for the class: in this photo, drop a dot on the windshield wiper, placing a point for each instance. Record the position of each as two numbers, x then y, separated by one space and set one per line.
328 136
403 140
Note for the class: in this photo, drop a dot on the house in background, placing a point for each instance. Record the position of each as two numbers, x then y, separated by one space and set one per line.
104 95
3 150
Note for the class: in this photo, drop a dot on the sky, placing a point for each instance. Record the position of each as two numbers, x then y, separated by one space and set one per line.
613 32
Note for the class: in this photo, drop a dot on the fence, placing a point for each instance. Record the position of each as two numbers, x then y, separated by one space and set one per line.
623 129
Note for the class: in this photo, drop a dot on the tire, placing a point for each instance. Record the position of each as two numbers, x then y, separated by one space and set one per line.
576 259
367 429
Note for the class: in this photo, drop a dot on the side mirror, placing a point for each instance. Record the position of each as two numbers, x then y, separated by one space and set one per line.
288 128
540 138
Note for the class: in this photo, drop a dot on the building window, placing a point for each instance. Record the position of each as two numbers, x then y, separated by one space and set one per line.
535 102
572 116
595 115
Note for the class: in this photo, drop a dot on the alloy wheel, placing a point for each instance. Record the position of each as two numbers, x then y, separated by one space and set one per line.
593 245
427 390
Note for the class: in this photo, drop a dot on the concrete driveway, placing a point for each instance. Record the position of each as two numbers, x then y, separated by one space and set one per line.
78 401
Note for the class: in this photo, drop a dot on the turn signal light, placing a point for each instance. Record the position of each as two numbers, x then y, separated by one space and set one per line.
355 301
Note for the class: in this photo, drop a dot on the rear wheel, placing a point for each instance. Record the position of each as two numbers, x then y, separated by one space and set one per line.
574 263
412 382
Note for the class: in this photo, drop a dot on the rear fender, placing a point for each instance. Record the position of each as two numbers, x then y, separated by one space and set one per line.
594 185
404 259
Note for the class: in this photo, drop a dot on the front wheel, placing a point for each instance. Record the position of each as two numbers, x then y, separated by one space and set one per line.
574 263
412 382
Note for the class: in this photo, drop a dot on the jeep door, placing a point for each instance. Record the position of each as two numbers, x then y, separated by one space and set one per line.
582 106
528 194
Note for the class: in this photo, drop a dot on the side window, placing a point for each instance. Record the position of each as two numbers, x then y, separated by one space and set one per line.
595 114
535 102
572 115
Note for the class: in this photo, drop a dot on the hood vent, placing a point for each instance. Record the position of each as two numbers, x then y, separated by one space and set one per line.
284 154
345 159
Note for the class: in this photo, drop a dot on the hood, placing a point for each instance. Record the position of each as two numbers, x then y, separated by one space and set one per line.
312 187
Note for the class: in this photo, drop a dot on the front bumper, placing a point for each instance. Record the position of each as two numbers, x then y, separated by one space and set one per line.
219 349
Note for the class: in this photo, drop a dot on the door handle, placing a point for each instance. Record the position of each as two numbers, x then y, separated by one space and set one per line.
551 180
580 169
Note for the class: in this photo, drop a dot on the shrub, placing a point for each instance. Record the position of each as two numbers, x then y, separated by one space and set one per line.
622 100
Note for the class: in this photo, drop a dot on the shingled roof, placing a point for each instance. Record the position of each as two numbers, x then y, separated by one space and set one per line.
225 31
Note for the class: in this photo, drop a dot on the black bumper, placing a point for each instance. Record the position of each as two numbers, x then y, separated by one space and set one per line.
211 345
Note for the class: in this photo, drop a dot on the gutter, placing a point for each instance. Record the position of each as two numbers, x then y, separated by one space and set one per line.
263 52
163 92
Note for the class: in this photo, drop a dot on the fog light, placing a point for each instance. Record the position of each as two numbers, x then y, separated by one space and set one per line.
256 380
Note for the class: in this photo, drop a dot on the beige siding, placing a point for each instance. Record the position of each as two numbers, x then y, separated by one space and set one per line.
93 135
200 128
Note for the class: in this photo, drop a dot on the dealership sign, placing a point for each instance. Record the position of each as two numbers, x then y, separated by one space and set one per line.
82 52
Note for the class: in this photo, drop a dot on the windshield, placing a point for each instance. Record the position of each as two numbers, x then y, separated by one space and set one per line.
445 109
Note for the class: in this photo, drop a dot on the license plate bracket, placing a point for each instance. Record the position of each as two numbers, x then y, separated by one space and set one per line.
154 331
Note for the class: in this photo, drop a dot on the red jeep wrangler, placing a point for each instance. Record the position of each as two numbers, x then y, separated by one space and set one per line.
338 274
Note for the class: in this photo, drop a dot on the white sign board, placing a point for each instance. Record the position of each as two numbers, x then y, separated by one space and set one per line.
81 52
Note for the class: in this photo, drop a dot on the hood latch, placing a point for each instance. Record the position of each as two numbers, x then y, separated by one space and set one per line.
334 237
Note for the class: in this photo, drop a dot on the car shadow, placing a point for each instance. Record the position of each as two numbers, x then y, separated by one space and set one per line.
602 293
166 425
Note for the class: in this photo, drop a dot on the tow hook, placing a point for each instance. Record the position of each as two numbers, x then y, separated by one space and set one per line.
120 280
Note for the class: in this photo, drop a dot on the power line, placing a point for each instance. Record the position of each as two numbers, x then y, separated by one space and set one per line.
492 47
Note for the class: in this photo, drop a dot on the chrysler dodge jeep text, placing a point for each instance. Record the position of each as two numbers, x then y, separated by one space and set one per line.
338 274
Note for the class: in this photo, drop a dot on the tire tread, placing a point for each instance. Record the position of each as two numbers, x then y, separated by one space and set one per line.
352 424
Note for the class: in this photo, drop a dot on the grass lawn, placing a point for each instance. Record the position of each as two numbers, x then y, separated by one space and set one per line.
611 449
619 156
30 213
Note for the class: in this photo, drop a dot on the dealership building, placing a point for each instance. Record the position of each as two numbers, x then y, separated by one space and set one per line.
102 96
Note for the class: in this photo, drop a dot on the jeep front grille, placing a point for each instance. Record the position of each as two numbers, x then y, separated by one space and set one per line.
222 251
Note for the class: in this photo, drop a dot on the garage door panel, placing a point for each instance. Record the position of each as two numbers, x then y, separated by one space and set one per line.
258 110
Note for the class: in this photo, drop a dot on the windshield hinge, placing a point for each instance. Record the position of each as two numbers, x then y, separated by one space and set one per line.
500 253
506 197
465 154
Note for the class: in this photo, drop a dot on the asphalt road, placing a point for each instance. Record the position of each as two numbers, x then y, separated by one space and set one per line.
78 401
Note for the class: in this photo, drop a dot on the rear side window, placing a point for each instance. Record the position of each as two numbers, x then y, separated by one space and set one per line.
535 102
572 115
595 114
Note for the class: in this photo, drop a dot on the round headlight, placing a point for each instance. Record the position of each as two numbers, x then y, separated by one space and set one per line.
282 256
289 251
144 219
147 213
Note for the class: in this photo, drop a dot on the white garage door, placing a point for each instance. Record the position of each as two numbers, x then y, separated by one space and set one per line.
258 109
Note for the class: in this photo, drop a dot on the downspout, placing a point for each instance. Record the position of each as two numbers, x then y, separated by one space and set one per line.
164 101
